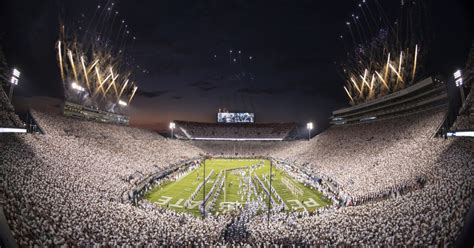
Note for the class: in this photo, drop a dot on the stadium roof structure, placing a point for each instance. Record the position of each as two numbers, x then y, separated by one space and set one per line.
423 95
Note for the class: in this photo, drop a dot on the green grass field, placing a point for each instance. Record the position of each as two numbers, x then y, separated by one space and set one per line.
235 190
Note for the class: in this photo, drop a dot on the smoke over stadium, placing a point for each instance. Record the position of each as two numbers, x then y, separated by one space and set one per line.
261 141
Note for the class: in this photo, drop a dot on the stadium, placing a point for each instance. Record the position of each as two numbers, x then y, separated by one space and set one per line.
393 167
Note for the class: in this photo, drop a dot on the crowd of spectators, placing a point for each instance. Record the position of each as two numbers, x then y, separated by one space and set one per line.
193 130
65 187
432 215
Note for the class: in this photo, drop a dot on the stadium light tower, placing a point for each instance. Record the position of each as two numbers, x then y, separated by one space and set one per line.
309 126
459 83
14 81
172 127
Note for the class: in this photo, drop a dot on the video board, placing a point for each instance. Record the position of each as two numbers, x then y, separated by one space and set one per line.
235 117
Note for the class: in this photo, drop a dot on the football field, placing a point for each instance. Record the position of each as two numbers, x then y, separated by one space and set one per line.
233 183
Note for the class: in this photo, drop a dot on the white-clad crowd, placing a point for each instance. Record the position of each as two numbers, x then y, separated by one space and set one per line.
428 216
189 130
65 187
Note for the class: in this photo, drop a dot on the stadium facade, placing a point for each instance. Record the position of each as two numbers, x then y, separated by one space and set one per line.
425 95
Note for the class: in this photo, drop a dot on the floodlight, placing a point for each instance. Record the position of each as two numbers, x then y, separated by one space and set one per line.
15 77
16 73
457 74
458 78
172 127
309 126
122 103
77 87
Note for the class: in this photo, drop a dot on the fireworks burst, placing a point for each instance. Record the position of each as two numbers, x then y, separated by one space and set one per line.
384 48
94 67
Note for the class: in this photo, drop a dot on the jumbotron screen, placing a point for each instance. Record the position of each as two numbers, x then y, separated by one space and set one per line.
235 117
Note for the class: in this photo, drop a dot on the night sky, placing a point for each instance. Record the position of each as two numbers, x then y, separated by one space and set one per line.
184 47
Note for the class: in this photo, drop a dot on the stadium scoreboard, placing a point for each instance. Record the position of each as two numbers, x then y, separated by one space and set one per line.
235 117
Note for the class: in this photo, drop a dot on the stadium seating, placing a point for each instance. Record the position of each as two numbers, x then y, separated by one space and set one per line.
196 130
65 187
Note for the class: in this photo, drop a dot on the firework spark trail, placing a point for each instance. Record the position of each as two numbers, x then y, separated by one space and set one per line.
364 33
73 66
359 39
364 16
383 17
382 80
60 58
357 87
84 70
95 26
124 45
374 21
350 30
89 60
399 72
123 88
105 27
123 39
109 41
113 80
133 93
87 30
348 94
414 63
372 81
102 21
386 50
